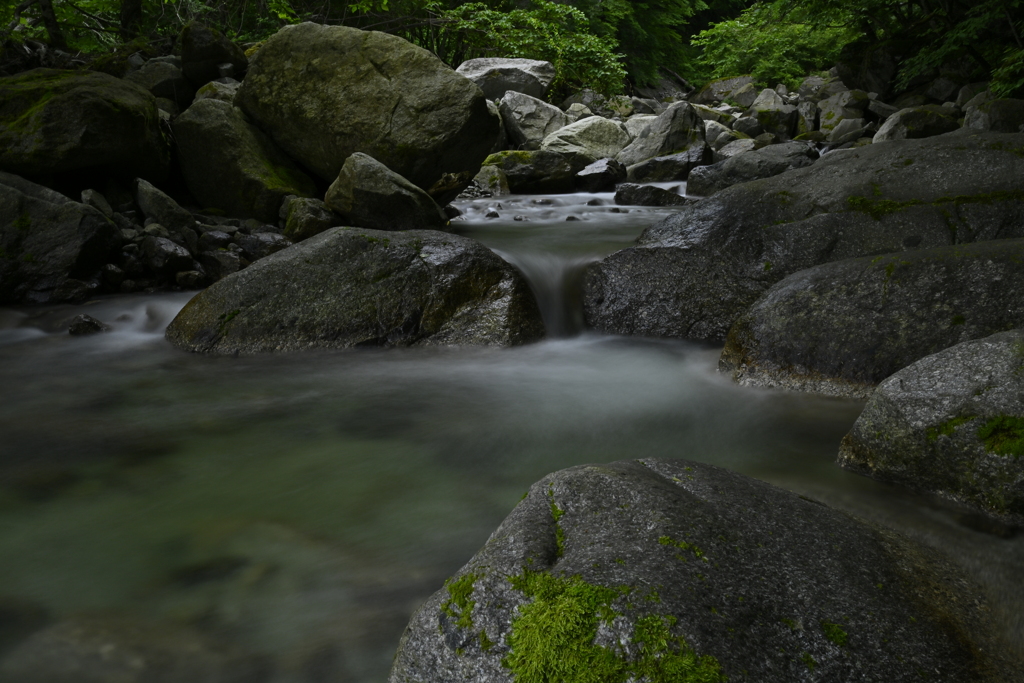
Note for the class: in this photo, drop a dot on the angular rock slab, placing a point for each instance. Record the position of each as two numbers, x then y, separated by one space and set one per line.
587 141
675 130
325 92
528 120
672 571
55 122
351 287
760 163
953 424
46 238
539 172
694 273
497 76
841 328
918 122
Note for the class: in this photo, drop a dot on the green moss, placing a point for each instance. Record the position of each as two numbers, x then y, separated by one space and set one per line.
697 552
808 660
223 320
834 633
958 320
459 593
556 514
518 155
1003 435
879 208
28 258
485 643
23 222
552 639
790 623
947 428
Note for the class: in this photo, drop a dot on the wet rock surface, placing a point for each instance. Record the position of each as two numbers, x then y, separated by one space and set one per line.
666 568
354 287
841 328
693 274
953 424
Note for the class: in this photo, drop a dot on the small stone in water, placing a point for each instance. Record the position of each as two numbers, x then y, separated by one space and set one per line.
542 202
86 324
491 213
615 209
572 218
595 202
519 217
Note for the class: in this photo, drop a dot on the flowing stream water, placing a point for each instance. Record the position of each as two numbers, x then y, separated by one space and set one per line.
301 506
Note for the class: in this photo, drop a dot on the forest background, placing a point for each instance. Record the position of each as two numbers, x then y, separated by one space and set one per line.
611 46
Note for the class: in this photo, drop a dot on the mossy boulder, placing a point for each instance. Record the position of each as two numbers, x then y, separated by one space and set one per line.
694 273
325 92
498 76
849 104
536 172
1001 116
47 239
953 424
229 164
918 122
841 328
669 571
370 195
715 91
55 122
351 287
587 140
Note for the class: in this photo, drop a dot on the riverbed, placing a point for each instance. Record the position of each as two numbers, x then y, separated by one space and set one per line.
301 506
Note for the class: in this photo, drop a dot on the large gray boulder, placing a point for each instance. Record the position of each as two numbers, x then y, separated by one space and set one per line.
672 167
229 164
1001 116
675 571
675 130
759 163
715 91
841 328
325 92
953 424
584 142
370 195
47 239
55 122
529 120
351 287
849 104
497 76
775 115
539 172
918 122
692 274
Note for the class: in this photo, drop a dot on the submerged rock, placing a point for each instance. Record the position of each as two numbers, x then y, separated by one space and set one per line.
325 92
841 328
353 287
669 571
951 423
694 273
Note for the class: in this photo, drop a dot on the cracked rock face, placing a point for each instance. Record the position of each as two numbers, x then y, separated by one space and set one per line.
354 287
952 424
325 92
667 570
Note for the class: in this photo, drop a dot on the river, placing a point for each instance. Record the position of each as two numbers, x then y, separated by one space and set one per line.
301 506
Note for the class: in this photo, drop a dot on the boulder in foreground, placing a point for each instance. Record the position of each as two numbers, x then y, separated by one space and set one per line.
841 328
351 287
951 423
678 572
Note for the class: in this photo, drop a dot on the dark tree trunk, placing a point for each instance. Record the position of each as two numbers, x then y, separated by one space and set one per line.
131 18
52 27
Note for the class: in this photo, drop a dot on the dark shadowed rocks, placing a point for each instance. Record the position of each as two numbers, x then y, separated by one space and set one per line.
353 287
536 172
694 273
205 51
841 328
759 163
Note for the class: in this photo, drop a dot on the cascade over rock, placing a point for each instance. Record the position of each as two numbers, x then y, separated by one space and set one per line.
325 92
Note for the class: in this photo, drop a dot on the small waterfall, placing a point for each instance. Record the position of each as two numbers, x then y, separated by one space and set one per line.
557 282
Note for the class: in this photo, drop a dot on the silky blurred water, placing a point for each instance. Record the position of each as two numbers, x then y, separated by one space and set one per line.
301 506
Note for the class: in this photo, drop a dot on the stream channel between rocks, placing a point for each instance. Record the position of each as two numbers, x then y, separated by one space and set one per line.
301 506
